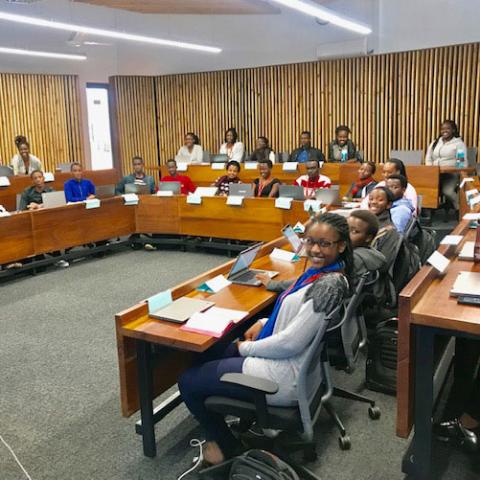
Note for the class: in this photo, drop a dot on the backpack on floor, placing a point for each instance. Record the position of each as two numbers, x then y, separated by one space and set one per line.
261 465
381 368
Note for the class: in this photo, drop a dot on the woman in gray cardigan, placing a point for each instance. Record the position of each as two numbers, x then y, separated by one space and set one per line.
275 348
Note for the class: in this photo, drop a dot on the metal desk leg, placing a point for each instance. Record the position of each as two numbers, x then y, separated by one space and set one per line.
422 440
145 391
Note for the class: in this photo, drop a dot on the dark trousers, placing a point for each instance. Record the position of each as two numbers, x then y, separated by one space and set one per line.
203 381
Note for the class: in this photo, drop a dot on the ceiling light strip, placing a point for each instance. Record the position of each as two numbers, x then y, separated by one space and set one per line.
37 53
39 22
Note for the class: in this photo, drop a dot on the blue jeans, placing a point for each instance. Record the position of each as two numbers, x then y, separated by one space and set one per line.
202 381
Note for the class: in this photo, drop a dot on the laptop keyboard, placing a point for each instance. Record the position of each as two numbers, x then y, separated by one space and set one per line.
244 277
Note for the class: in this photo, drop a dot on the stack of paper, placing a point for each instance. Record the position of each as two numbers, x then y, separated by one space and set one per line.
215 322
4 182
466 253
250 165
315 205
284 202
214 285
279 254
92 203
451 240
130 198
48 177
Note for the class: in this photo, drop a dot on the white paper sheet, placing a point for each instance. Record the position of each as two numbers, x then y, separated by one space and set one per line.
438 261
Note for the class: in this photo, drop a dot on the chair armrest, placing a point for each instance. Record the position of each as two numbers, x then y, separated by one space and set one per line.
252 383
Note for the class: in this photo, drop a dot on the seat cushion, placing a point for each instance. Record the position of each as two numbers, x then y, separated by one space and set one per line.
280 418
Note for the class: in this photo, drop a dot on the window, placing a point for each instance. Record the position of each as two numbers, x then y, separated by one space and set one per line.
99 126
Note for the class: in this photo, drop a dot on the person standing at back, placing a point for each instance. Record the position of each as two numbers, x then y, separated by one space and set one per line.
138 177
24 163
234 149
313 180
306 152
192 151
78 189
342 149
443 152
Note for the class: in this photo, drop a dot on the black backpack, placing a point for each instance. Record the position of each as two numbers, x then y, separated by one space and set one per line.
261 465
381 368
423 238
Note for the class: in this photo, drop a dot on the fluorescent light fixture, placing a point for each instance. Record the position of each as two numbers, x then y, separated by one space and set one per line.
40 22
325 14
37 53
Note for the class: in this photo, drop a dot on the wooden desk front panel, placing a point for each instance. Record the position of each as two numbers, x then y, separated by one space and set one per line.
74 225
158 214
256 219
16 237
8 195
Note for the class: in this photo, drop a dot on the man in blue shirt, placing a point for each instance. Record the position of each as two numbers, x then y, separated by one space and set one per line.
402 209
306 152
78 189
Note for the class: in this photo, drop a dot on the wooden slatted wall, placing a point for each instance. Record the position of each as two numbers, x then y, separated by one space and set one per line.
392 101
46 109
134 119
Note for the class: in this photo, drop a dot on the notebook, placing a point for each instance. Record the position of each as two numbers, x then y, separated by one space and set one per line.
467 284
215 322
181 310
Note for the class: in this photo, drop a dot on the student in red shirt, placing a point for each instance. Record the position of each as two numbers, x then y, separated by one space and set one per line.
313 180
186 183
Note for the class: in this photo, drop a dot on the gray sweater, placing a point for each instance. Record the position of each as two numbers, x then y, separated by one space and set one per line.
280 356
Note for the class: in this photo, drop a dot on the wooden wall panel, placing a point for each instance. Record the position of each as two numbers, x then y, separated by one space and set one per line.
391 101
46 109
134 119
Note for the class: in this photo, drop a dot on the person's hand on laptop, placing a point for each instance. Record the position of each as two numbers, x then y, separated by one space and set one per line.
264 278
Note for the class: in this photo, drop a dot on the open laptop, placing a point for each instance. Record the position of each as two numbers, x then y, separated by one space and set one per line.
53 199
173 187
138 189
105 191
328 196
241 190
291 191
219 158
241 273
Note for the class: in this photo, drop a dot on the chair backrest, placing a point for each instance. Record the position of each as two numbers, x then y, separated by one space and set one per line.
309 387
6 171
219 158
282 157
105 191
471 156
64 167
408 157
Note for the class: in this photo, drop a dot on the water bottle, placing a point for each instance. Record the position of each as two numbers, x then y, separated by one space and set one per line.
460 158
344 155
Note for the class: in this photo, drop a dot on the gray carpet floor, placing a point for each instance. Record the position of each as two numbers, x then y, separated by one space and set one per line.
59 394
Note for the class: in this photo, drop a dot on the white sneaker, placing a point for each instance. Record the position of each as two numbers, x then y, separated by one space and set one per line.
149 247
62 264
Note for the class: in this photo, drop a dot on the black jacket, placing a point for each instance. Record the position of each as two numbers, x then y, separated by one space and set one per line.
312 152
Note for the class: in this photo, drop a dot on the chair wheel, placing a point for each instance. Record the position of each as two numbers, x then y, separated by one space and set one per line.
344 443
374 413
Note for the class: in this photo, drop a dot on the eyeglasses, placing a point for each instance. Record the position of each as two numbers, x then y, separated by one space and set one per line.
310 242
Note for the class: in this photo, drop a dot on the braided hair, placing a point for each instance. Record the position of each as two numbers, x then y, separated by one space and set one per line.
340 225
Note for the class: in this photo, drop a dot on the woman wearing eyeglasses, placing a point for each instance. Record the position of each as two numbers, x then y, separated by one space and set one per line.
275 348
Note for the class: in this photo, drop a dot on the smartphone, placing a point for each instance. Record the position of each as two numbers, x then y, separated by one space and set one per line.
292 238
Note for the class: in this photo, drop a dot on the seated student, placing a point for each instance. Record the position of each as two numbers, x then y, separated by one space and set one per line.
394 166
192 151
24 163
31 198
266 185
365 183
186 184
443 152
78 189
313 180
306 152
402 209
223 183
234 149
380 202
275 348
262 151
138 177
342 149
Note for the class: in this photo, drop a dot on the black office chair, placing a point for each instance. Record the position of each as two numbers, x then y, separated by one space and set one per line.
296 422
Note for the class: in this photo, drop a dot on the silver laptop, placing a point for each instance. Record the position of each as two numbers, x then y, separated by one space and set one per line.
105 191
138 189
219 158
291 191
241 273
173 187
241 190
329 196
467 284
181 310
53 199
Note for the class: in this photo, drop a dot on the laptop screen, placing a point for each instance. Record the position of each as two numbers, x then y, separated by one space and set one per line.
245 259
